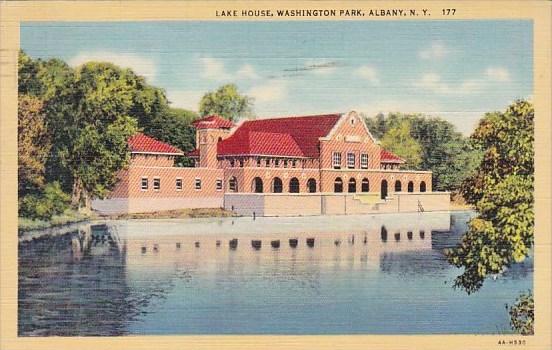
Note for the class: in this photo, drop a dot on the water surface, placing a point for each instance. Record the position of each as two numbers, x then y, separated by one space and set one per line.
368 274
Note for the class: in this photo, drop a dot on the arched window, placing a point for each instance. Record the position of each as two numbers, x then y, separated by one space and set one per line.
410 186
352 185
383 189
365 187
422 186
294 185
257 185
397 186
338 185
233 184
311 185
277 185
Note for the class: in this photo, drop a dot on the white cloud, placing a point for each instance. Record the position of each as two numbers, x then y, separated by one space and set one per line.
188 99
369 73
140 65
271 91
433 82
247 71
436 51
498 74
212 68
215 69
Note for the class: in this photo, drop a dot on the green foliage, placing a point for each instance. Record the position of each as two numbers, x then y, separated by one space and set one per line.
33 144
88 113
90 125
502 191
29 82
226 102
522 314
174 127
444 151
398 140
376 125
43 206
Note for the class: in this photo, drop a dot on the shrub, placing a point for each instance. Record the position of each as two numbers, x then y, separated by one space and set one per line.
43 206
522 314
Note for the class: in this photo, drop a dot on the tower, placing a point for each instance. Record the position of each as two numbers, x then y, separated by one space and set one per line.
209 131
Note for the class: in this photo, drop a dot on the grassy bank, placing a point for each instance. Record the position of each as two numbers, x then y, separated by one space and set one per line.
68 217
174 214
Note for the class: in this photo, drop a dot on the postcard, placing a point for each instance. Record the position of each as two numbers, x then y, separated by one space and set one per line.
276 174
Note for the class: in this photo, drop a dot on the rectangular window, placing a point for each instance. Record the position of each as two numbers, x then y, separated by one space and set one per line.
285 163
258 162
364 161
219 185
241 163
337 160
198 184
231 163
277 162
267 162
144 184
179 184
294 163
350 160
156 183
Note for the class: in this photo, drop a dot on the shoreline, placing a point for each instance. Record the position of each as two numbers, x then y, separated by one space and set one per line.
290 222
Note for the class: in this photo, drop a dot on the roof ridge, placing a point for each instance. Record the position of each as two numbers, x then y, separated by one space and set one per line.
295 117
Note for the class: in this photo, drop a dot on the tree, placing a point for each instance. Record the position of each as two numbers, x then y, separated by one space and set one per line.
175 128
444 151
90 121
51 201
399 141
502 191
33 144
28 81
226 102
376 125
522 314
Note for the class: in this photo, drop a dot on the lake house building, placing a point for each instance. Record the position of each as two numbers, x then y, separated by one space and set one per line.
305 165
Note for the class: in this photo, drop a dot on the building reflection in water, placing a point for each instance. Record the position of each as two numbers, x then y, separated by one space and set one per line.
99 280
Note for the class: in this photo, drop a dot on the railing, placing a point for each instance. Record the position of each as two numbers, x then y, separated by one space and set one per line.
420 207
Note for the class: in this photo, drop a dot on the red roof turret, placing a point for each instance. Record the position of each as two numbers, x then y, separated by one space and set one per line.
213 122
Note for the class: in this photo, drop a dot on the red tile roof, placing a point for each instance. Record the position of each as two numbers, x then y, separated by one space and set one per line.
290 136
213 122
388 157
140 143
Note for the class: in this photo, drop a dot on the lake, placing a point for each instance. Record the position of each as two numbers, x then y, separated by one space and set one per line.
366 274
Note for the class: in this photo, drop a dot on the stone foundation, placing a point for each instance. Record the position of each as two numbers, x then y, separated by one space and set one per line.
270 204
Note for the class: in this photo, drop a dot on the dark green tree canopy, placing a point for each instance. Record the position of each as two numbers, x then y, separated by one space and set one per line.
438 146
89 112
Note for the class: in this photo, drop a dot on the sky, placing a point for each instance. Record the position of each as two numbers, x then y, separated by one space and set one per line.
454 69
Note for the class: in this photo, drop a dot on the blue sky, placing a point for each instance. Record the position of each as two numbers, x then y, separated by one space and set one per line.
455 69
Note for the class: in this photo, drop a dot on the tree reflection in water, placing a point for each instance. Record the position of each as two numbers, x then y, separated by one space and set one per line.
111 280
